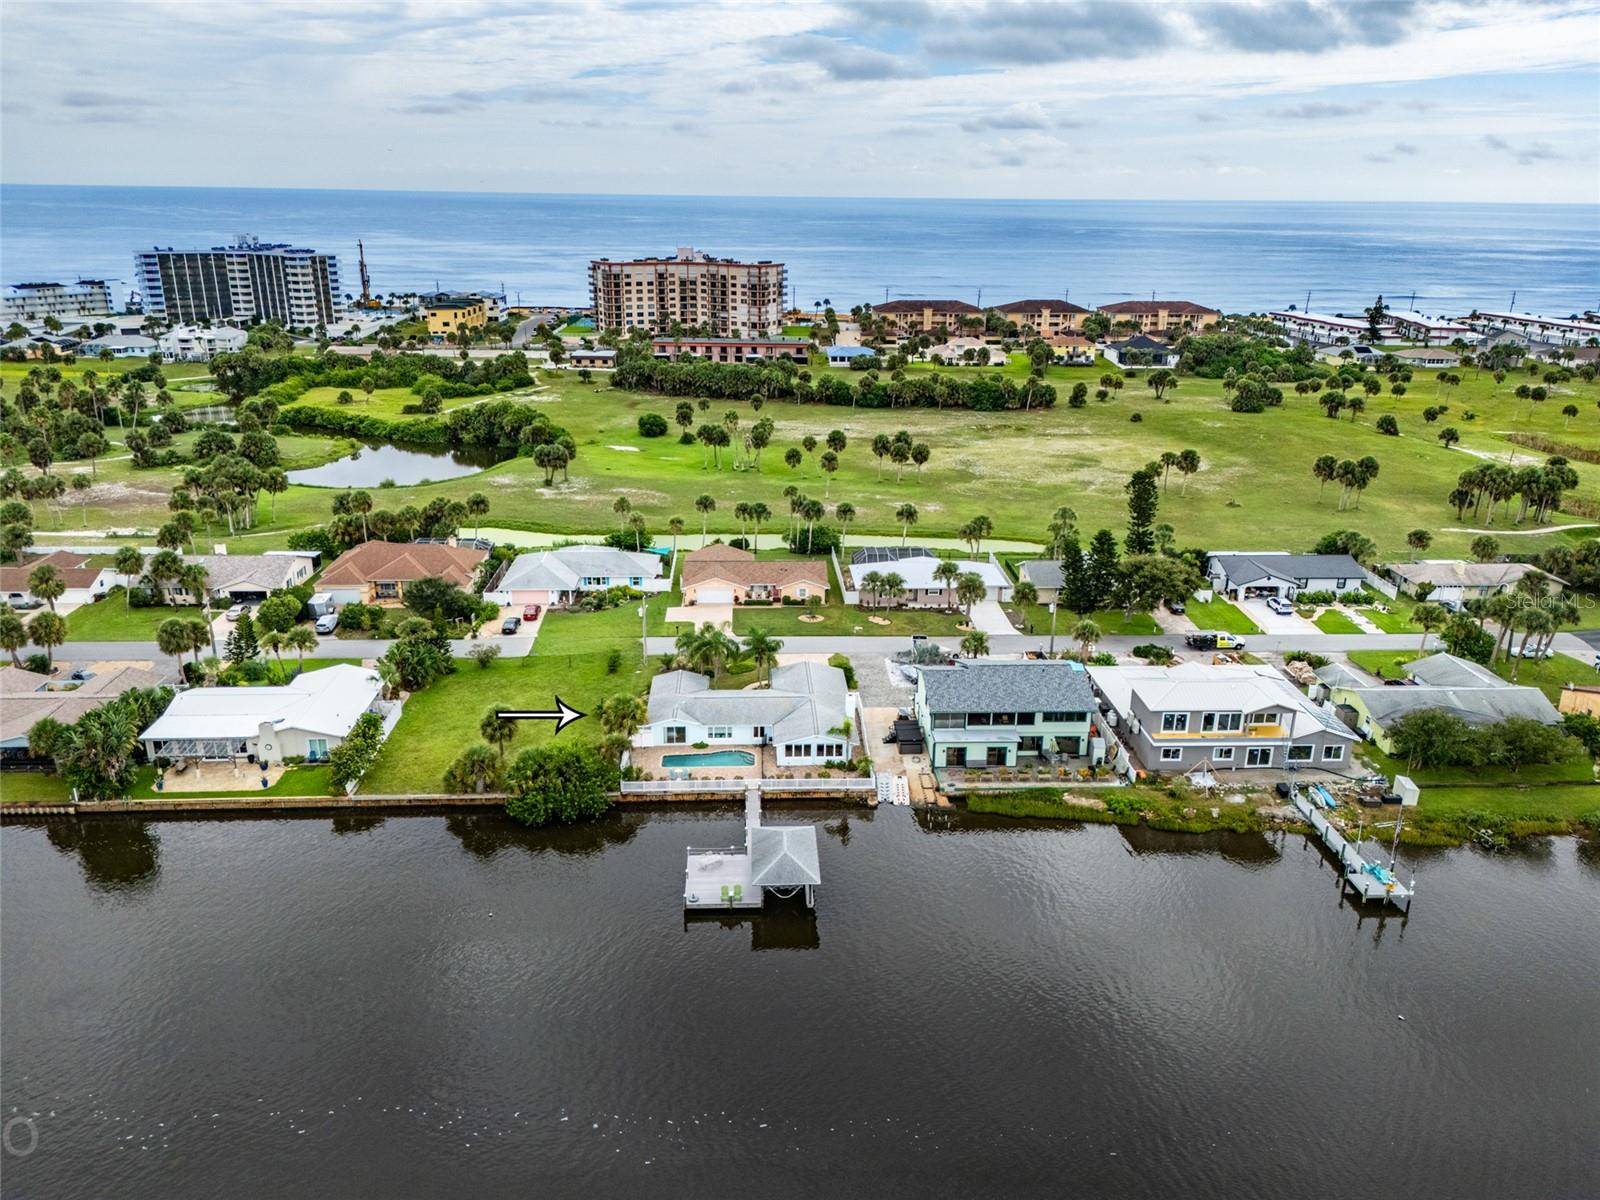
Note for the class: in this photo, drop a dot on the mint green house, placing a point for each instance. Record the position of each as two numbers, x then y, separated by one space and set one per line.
1000 714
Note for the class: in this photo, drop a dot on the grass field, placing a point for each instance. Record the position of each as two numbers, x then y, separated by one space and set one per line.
387 403
784 620
1217 615
1395 620
1035 618
441 721
1385 664
1331 620
31 787
1559 802
111 620
1023 465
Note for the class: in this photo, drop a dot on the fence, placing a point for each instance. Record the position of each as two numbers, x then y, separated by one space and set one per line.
849 597
693 787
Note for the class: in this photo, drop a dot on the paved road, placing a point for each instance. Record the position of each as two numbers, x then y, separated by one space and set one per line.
80 652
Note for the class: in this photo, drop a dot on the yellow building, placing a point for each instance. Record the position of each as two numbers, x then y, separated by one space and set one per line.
446 318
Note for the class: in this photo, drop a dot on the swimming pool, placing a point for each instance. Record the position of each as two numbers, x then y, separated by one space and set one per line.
712 758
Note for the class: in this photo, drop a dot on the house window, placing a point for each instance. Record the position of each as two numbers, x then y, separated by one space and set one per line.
1258 756
1064 717
1222 754
759 732
1263 718
1171 753
800 592
1174 722
1339 584
1299 754
676 735
316 749
949 720
1026 718
978 719
1003 718
714 732
1332 753
1221 722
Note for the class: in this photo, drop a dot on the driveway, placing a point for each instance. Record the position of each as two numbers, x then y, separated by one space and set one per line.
1271 622
988 617
720 615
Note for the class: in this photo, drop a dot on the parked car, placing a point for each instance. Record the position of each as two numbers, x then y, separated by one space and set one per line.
236 611
1213 641
25 603
327 623
1280 606
510 625
530 612
1536 652
1177 606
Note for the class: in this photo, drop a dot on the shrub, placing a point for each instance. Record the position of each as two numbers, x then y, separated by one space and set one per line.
278 613
1387 424
652 425
1136 417
1152 652
613 661
844 664
352 758
39 664
560 782
484 654
1314 661
360 617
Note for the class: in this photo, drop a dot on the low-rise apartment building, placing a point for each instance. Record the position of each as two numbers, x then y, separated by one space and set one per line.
1327 329
194 343
1560 331
1177 719
448 317
1045 317
907 317
1413 326
734 350
690 289
1161 316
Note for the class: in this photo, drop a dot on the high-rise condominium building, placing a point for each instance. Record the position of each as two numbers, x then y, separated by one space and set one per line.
692 289
36 301
237 283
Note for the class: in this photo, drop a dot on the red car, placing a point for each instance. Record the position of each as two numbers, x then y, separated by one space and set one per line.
530 612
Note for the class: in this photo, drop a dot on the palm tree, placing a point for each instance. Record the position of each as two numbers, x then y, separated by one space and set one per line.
497 730
1086 633
475 770
760 514
477 508
893 587
622 714
975 643
812 511
48 631
273 643
970 589
622 506
128 563
906 514
763 650
172 638
844 512
361 504
870 584
13 634
705 505
675 528
946 573
300 639
1430 617
45 582
707 648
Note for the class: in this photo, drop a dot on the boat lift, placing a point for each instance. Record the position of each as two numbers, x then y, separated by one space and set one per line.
1367 879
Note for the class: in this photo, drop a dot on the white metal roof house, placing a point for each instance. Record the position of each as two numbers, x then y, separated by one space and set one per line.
1241 574
1176 719
119 345
916 566
305 718
801 715
559 576
194 343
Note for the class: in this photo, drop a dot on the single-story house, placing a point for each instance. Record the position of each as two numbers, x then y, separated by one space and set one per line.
561 575
1455 580
1243 574
378 572
305 718
802 715
244 578
843 356
720 574
1176 719
26 698
84 582
1466 689
119 345
1427 356
995 713
602 358
915 566
1140 351
955 351
1045 575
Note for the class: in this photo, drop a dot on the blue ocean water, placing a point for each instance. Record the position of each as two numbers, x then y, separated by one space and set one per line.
1235 256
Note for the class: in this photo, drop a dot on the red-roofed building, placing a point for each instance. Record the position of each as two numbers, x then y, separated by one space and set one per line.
1161 316
379 572
1045 317
927 316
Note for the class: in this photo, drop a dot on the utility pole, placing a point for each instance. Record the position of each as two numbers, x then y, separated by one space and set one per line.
644 632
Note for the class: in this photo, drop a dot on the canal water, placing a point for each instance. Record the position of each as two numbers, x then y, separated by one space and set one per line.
450 1005
378 462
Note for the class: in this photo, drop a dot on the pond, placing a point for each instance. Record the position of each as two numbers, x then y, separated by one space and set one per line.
392 1005
376 462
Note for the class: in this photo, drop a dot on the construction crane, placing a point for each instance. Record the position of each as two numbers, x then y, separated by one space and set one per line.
366 300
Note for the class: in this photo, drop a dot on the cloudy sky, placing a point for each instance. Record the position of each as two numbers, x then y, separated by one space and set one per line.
1254 99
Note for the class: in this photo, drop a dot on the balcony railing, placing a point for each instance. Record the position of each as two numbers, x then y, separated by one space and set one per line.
1249 731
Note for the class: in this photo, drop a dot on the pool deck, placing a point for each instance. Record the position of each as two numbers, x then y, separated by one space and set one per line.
649 759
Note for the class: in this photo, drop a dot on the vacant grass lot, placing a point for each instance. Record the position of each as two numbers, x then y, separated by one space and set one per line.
1331 620
1219 616
31 787
1569 802
111 620
1017 472
1035 618
441 721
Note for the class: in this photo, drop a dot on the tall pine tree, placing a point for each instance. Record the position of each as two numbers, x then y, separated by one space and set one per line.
1143 498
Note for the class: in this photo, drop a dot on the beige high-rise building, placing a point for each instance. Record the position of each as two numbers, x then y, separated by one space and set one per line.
692 289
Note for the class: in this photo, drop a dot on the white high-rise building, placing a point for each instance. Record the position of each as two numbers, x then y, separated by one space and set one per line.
64 301
239 283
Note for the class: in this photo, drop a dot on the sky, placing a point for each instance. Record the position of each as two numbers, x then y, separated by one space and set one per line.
1405 100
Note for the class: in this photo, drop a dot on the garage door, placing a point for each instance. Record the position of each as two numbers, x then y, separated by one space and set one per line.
714 596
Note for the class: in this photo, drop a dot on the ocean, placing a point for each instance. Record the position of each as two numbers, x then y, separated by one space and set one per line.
1235 256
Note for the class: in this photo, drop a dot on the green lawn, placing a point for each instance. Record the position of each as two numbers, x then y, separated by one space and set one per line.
1218 616
110 620
1035 618
1392 621
1550 674
1577 769
1024 464
1560 802
1331 620
784 620
31 787
387 403
1385 664
588 633
443 720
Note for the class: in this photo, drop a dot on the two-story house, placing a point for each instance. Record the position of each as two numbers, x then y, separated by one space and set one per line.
1174 719
995 713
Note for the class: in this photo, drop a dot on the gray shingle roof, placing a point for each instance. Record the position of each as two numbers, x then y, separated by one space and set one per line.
564 566
1042 572
1008 687
1475 705
806 699
1446 670
1246 568
784 856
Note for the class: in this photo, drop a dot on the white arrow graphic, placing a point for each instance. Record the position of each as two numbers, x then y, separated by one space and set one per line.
563 714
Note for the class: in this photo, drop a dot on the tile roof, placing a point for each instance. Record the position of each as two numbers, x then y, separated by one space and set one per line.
1033 306
1008 687
916 306
1179 307
401 562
